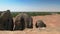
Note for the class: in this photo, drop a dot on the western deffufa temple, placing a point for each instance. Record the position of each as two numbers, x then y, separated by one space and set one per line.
20 22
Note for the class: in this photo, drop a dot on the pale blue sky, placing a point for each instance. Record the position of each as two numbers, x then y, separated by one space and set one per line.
30 5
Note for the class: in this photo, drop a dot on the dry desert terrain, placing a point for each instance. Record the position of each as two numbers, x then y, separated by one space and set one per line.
52 22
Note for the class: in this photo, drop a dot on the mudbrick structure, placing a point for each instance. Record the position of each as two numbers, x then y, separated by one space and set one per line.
6 21
21 22
40 24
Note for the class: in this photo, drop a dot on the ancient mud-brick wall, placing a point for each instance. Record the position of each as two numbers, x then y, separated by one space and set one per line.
23 19
6 21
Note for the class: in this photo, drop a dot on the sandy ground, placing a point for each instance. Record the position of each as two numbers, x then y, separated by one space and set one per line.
33 31
52 22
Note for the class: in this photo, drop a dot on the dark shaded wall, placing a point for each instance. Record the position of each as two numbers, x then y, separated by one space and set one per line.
6 21
23 21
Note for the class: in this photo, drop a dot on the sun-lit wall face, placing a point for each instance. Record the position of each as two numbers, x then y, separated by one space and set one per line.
30 5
